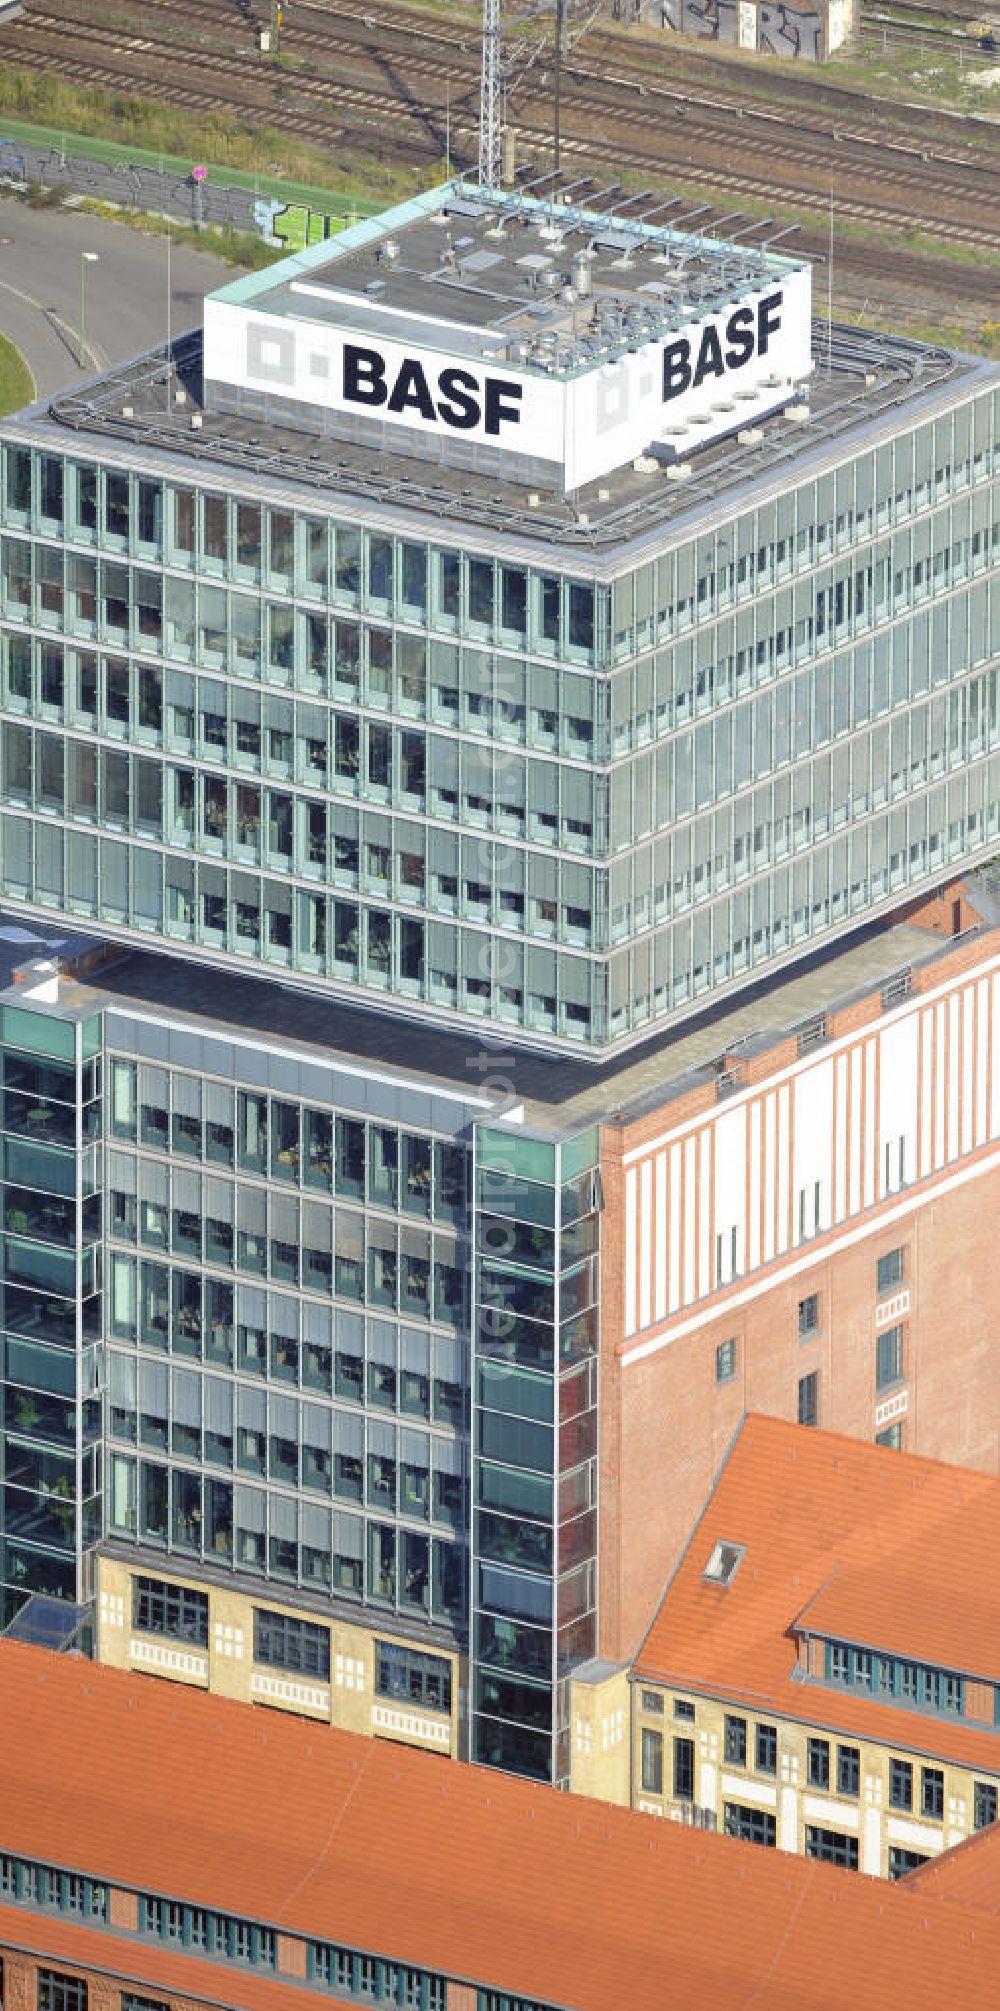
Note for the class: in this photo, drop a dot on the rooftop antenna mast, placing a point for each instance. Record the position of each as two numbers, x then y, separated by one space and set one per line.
490 130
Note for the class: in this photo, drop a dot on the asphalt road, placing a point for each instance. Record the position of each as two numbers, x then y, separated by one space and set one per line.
126 291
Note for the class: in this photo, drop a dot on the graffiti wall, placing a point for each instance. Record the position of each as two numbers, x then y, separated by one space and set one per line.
771 27
142 184
293 225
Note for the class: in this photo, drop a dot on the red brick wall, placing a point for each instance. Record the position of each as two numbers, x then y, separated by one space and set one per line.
291 1955
941 912
667 1424
979 1701
123 1910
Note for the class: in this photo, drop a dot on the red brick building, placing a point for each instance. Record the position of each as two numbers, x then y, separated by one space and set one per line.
804 1225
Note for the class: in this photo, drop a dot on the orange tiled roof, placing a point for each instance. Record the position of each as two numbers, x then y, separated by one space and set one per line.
969 1874
848 1540
447 1867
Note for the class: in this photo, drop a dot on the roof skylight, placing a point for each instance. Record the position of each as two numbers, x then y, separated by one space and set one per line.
724 1563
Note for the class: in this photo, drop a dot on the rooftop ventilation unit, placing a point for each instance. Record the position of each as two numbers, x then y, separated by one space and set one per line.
580 274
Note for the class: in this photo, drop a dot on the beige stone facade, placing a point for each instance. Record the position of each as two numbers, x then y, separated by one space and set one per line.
790 1792
349 1700
600 1710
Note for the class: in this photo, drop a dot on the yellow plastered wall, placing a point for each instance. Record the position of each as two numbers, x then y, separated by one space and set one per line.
788 1795
599 1736
226 1667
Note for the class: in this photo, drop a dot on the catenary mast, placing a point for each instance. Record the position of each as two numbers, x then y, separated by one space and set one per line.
490 134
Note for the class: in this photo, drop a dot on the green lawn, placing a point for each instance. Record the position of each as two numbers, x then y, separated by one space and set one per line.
17 385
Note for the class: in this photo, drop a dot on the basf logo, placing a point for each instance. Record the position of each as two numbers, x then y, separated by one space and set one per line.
452 397
747 333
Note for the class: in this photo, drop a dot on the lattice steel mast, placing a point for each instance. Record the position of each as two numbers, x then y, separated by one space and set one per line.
490 131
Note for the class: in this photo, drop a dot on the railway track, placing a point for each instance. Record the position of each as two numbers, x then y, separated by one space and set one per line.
644 99
364 110
651 119
401 30
883 31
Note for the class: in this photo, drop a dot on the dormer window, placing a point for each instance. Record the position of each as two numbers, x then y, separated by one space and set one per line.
917 1685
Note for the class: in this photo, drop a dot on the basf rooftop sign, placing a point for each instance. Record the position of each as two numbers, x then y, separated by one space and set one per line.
565 343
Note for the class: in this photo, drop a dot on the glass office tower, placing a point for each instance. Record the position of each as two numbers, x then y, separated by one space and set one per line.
359 706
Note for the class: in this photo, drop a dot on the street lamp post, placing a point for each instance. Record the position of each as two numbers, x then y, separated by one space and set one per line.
86 258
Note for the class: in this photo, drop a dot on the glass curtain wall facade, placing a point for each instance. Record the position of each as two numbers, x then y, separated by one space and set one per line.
570 802
822 730
534 1578
244 1330
301 743
50 1445
235 1316
287 1335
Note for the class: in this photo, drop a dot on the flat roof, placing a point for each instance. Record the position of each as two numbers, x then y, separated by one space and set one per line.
554 284
849 1542
865 388
556 1091
456 1869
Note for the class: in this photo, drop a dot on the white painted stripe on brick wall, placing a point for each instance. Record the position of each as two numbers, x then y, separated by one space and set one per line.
899 1070
857 1132
813 1093
968 1112
645 1242
982 1061
940 1081
869 1188
659 1232
630 1190
926 1093
995 1046
731 1176
784 1164
954 1058
674 1268
882 1219
770 1175
841 1143
689 1287
756 1170
705 1237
